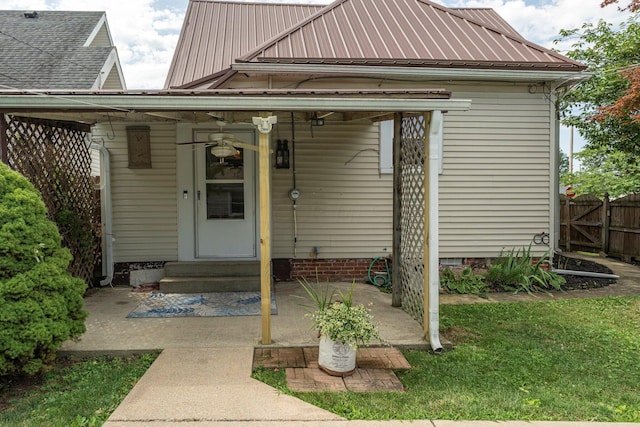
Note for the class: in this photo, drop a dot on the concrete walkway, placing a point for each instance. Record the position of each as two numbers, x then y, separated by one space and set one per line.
207 382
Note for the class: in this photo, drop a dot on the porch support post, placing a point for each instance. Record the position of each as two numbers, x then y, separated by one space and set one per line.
431 313
396 288
264 125
4 144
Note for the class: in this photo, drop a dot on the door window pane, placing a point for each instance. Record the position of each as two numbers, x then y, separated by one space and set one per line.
231 167
225 201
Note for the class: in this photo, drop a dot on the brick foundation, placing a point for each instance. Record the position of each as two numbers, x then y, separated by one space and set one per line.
122 270
284 269
333 270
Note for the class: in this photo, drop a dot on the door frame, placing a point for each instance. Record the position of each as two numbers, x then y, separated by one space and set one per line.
186 193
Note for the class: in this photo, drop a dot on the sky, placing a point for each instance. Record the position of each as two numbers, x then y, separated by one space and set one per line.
146 32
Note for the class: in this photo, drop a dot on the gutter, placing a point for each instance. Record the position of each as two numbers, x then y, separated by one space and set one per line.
267 100
411 72
107 219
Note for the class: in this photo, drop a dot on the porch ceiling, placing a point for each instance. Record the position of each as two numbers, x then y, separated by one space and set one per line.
201 106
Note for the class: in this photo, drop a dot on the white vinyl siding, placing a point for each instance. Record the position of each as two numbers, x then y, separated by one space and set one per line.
145 224
101 37
494 190
112 80
345 205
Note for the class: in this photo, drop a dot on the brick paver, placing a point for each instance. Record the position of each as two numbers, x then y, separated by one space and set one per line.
364 380
290 357
381 358
374 370
313 379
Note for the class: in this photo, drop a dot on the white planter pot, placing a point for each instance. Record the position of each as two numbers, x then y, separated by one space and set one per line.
335 358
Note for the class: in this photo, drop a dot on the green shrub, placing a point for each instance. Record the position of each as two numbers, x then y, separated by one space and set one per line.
516 271
40 302
466 282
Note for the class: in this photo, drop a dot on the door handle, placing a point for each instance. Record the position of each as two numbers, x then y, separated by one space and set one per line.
198 195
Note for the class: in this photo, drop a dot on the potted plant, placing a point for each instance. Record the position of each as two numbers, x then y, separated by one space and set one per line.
342 327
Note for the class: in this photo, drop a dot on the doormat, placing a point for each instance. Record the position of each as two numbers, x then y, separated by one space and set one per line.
211 304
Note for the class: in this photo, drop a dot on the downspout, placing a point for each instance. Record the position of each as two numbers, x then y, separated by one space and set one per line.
555 174
434 249
105 199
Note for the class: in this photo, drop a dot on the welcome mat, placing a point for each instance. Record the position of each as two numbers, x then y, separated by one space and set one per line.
211 304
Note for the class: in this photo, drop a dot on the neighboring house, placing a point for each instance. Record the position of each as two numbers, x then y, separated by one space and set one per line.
57 50
333 76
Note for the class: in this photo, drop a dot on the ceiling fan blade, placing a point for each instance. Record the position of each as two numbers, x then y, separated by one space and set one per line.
240 144
193 142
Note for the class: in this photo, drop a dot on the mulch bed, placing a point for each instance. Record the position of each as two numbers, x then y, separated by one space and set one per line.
582 282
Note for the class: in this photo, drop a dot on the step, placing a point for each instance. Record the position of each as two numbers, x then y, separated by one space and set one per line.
185 285
212 269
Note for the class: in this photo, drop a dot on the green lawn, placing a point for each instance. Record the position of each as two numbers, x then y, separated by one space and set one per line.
76 394
575 359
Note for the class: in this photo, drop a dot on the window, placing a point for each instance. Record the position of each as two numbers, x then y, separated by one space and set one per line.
386 147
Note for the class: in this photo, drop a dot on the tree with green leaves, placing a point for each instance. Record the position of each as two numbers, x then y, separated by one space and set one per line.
604 108
616 173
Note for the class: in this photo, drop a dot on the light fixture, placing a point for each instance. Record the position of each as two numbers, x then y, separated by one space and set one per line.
223 150
317 121
282 155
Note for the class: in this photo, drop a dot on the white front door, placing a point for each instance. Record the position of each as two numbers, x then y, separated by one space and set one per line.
225 200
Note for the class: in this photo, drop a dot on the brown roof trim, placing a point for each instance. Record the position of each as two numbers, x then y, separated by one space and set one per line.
445 63
230 74
201 81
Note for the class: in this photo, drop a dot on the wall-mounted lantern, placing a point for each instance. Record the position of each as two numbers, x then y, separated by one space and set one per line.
282 154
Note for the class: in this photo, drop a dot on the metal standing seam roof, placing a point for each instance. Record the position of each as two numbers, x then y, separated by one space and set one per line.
487 16
404 32
214 33
48 51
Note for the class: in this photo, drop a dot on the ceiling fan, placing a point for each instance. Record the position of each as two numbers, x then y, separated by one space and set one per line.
223 144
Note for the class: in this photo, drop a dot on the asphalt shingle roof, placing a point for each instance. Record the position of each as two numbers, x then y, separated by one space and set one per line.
47 52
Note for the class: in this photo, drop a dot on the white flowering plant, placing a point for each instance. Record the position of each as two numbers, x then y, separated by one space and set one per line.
338 318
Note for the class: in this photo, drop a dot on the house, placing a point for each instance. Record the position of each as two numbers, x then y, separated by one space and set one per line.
498 159
57 50
398 127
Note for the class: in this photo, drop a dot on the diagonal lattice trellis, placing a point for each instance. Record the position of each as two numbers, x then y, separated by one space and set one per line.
53 155
412 155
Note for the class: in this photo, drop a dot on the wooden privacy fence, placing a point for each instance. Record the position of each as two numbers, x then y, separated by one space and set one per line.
588 223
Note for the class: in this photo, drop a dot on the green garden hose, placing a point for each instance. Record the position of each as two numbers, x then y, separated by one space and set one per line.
381 279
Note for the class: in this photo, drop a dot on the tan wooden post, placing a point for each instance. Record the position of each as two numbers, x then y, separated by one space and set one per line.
264 125
606 223
396 291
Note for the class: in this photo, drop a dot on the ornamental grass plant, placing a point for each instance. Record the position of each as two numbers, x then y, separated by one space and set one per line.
335 316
